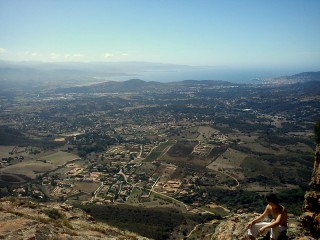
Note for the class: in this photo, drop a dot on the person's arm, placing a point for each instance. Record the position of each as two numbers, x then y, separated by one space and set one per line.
274 223
260 217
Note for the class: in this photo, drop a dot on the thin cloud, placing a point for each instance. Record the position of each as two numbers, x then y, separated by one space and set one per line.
75 55
2 50
54 55
78 55
31 54
108 55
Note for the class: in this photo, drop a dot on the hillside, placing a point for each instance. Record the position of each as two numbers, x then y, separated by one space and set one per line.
296 78
22 218
9 136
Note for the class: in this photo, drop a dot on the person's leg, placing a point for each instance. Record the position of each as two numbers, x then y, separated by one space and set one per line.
254 230
275 232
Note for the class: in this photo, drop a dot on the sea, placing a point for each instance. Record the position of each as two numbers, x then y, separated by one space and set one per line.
245 76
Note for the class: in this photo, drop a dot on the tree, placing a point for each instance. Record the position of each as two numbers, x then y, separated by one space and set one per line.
317 131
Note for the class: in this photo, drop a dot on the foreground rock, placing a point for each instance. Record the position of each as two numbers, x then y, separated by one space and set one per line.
299 229
25 219
235 228
311 217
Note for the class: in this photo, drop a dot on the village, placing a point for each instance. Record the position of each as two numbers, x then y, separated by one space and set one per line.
176 147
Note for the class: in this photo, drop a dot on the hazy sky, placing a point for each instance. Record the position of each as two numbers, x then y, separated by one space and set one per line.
194 32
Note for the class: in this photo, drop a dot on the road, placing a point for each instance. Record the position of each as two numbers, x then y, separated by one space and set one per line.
124 176
96 192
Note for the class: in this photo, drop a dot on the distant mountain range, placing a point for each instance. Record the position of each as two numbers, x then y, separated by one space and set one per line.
109 76
37 75
297 78
306 80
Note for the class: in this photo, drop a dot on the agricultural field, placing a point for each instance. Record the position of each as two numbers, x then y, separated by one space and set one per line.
181 149
160 150
33 165
5 151
59 158
87 187
29 168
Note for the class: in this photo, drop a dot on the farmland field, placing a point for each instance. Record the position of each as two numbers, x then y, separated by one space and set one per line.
8 179
229 159
4 151
156 153
31 168
87 187
182 149
59 158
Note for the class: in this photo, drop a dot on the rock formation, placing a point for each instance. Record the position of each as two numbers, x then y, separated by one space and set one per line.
22 219
311 217
234 226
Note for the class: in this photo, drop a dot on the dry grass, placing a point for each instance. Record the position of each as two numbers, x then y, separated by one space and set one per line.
59 158
108 230
29 168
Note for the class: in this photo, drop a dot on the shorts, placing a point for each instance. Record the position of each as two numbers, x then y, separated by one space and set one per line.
274 232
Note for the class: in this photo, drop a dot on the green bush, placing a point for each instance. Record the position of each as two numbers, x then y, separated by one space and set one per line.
53 213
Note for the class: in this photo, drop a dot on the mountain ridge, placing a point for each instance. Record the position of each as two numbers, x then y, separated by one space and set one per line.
302 77
68 74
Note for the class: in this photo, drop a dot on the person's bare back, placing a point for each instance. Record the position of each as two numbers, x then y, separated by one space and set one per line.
276 211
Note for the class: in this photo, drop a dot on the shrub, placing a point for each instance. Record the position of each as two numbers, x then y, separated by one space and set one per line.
53 213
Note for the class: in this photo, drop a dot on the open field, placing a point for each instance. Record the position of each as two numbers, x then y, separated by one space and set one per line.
229 159
4 151
182 149
31 168
87 187
157 151
205 132
7 179
134 197
59 158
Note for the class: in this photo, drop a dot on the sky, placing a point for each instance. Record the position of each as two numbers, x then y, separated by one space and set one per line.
191 32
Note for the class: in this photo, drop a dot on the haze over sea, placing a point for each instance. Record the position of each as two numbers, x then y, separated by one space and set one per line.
235 75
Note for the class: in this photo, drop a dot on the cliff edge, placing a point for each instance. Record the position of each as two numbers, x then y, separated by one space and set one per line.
24 219
307 227
311 217
235 228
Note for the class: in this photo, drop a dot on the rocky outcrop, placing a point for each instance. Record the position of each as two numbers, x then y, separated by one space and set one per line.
315 178
311 217
22 219
235 228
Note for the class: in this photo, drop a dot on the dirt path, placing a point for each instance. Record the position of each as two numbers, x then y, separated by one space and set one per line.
97 192
196 226
230 176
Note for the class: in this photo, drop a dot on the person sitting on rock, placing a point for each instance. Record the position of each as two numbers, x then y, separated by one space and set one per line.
278 223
